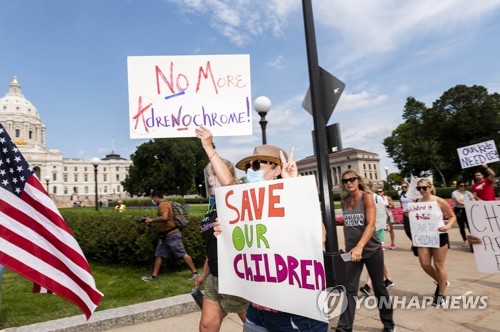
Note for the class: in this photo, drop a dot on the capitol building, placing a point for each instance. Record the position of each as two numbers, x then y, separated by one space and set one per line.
68 180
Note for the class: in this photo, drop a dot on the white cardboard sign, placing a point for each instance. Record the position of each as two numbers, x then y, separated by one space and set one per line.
169 96
477 154
424 223
270 250
484 222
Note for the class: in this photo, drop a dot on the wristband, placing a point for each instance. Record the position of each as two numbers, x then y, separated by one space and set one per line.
213 154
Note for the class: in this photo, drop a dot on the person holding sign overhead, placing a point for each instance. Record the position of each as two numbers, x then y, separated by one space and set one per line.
428 255
219 172
483 188
358 206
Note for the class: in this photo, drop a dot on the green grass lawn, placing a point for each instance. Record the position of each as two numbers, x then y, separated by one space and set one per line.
121 286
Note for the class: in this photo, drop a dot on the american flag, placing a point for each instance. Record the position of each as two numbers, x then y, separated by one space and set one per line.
34 238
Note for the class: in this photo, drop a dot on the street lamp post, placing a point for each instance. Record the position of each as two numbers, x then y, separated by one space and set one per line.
96 161
47 180
387 177
262 105
199 190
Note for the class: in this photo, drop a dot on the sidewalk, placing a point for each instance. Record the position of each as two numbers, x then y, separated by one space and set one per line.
181 314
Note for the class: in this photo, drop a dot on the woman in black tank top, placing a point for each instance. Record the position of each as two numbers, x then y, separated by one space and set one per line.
359 226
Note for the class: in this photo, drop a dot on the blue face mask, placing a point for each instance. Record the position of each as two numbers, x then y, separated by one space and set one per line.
255 176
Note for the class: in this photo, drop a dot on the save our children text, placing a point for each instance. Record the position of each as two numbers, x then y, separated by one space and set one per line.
257 210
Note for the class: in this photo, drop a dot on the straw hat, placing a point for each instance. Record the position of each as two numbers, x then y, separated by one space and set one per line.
264 152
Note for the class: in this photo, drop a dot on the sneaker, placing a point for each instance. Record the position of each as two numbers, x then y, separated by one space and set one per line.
392 246
391 329
365 289
194 275
439 301
388 283
148 278
436 292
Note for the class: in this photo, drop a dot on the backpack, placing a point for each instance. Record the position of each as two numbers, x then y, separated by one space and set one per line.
181 218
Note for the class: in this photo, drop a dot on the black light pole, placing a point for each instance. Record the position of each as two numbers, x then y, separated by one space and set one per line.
321 151
262 105
47 180
96 161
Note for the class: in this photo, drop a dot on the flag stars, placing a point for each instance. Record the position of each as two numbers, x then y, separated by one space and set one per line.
11 170
18 190
14 180
17 159
5 183
2 140
15 149
4 150
2 172
19 169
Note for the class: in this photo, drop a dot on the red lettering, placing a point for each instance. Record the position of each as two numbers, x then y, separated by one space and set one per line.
140 113
205 74
245 206
258 203
234 221
159 73
275 199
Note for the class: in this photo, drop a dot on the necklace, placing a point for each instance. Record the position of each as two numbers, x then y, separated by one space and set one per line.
352 200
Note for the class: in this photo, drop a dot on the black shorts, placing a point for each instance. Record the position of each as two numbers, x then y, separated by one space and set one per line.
444 240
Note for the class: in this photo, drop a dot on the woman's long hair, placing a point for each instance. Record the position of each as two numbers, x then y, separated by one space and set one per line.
362 182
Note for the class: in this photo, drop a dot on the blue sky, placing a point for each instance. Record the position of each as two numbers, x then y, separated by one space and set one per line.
70 58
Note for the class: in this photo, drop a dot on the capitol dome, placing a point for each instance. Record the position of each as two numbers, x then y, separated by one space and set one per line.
20 118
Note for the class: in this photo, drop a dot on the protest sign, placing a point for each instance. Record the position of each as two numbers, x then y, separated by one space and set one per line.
270 250
477 154
169 96
484 222
424 223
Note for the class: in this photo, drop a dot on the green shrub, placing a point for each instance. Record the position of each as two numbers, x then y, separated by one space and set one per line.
119 238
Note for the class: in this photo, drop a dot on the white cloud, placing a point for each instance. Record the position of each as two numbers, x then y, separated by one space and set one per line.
349 102
244 20
376 27
277 62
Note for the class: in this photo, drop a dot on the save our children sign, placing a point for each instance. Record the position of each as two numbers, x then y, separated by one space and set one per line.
270 251
169 96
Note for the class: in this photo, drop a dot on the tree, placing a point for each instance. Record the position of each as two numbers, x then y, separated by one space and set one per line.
172 165
428 139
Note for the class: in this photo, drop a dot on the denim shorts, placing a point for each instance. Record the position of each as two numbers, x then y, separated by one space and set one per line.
171 246
266 321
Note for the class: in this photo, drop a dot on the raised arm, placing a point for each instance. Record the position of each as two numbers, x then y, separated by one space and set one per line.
219 167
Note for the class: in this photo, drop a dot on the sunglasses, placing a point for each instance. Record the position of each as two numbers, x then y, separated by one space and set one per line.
424 188
350 180
256 164
462 185
404 187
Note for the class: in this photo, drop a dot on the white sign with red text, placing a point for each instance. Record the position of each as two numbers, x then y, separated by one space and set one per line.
169 96
270 251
